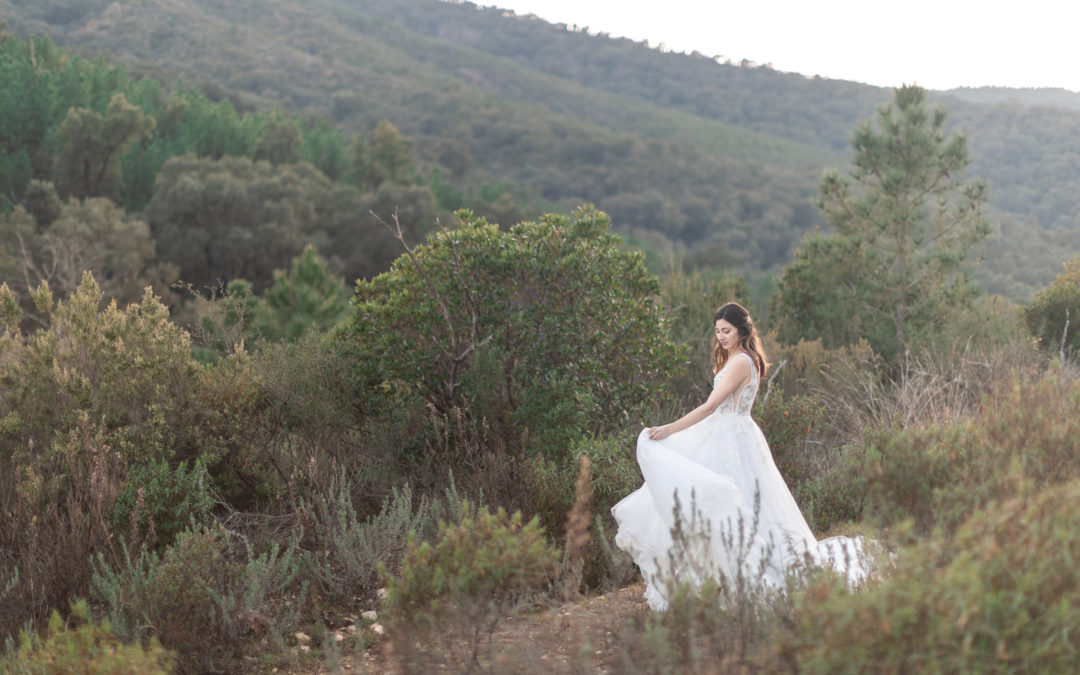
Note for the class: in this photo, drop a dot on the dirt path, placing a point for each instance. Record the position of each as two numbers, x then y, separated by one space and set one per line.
573 637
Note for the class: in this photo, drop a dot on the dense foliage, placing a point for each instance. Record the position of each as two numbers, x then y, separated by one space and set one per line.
546 330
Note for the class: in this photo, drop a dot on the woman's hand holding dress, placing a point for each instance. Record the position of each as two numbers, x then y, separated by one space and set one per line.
660 433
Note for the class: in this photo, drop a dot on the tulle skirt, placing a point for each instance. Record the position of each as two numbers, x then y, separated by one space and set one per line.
717 480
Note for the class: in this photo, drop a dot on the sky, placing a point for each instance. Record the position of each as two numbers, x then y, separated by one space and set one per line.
938 44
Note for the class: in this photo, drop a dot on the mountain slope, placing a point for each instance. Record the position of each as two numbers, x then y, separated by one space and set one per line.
674 146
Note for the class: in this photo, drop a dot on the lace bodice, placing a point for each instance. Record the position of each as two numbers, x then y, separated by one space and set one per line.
739 402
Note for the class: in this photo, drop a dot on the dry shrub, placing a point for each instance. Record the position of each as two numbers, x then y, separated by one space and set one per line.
485 472
932 387
577 531
1026 430
862 410
802 368
1001 595
57 511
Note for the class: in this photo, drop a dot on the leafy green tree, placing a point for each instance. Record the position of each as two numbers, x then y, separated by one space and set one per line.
95 235
92 144
390 161
234 218
1053 316
547 330
905 221
92 235
306 297
40 83
279 141
43 202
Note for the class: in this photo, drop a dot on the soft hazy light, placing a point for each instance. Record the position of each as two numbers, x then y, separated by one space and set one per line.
939 44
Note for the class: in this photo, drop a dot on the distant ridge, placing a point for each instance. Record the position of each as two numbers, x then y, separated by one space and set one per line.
1042 96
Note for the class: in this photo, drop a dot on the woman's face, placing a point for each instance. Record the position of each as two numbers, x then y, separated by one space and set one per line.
726 334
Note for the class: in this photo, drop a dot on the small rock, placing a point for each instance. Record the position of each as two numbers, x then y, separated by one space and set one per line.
351 629
305 648
378 629
339 637
380 594
303 638
369 615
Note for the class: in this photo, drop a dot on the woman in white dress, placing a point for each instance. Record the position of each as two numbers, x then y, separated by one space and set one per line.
713 467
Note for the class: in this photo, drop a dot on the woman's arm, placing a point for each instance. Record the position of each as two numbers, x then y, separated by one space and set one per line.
738 371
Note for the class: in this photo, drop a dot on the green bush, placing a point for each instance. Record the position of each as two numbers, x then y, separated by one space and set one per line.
788 422
1002 595
550 494
350 549
198 597
475 573
247 451
83 646
128 368
490 558
558 322
833 494
1053 316
166 498
613 470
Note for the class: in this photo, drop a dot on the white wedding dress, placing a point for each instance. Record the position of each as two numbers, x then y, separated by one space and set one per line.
715 471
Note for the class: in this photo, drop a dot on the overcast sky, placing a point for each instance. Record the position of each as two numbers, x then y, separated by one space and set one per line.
938 44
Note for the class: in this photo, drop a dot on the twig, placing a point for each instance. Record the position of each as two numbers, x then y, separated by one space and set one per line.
1064 334
768 382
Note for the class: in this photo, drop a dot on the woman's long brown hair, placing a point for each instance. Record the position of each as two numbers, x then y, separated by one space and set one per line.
749 340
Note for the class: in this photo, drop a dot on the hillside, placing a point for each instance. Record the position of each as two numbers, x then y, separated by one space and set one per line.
678 148
1032 96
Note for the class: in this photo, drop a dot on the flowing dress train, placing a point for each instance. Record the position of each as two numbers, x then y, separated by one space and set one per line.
735 510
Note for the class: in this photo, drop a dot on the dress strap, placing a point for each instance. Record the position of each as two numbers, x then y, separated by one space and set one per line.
753 365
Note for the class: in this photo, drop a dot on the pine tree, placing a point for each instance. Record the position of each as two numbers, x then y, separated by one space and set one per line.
906 222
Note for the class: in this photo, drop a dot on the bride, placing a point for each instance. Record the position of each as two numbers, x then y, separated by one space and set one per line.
713 467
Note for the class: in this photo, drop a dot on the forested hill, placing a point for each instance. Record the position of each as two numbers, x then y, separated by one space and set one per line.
721 158
1043 96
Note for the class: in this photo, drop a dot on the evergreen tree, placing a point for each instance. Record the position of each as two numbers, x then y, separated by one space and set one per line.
307 296
905 221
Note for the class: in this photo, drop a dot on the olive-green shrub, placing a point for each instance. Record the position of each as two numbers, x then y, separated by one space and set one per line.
938 475
455 590
81 645
1001 595
202 596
